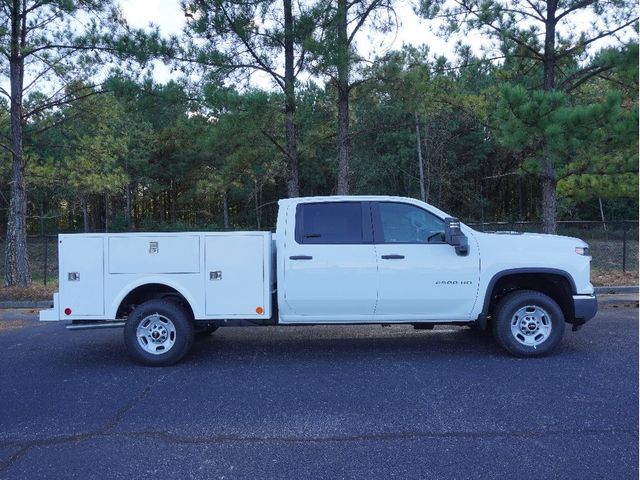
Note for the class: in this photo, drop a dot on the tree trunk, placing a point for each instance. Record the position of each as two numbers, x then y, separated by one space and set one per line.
427 163
127 208
549 58
106 213
173 200
85 215
423 193
16 263
257 204
343 99
604 224
137 205
165 209
70 211
225 210
155 211
95 214
293 176
549 181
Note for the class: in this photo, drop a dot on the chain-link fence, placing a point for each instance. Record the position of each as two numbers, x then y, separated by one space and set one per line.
613 245
43 258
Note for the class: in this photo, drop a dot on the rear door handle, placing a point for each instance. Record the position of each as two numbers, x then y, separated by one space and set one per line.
300 257
392 257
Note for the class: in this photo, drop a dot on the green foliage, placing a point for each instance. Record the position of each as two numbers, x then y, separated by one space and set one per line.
137 155
592 134
530 120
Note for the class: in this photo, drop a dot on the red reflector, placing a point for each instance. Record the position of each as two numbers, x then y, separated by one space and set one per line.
67 311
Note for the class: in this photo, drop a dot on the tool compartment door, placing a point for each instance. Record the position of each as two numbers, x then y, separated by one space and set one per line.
154 254
82 275
234 275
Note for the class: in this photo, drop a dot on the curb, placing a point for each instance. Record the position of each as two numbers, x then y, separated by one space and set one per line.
26 304
614 290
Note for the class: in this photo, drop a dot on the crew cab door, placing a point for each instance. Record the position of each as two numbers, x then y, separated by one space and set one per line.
330 264
420 276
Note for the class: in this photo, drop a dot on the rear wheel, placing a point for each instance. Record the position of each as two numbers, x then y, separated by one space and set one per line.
158 333
528 323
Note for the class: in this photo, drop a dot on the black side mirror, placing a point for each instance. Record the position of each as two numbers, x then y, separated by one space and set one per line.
454 236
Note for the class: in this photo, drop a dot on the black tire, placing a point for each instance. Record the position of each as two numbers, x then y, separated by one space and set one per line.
170 322
204 330
536 331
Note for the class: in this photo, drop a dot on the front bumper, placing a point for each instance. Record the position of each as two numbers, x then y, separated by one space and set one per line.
585 308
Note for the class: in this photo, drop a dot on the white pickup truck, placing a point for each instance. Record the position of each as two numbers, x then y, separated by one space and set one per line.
332 260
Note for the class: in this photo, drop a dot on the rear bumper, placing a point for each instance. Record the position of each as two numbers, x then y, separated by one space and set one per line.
585 308
51 314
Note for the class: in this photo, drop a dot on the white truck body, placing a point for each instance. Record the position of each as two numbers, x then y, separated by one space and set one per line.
396 268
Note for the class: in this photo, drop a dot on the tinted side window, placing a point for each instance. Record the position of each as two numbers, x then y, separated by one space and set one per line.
329 223
404 223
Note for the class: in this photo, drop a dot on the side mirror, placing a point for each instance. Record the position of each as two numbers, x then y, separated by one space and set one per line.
453 236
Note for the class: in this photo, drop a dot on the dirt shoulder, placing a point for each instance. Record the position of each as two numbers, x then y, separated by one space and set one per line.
34 292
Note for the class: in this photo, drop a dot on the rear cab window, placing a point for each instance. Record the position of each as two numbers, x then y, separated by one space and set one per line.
333 223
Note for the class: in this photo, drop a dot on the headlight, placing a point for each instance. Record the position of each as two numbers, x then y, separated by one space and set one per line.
582 250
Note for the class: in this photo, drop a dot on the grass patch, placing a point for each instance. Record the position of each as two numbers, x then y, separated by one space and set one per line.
606 278
11 325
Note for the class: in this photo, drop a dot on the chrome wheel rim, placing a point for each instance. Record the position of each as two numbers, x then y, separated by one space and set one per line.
156 334
531 325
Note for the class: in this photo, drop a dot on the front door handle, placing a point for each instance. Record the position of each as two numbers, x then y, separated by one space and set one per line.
300 257
392 257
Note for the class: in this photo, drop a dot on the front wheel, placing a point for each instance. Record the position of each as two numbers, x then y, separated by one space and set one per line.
158 333
528 323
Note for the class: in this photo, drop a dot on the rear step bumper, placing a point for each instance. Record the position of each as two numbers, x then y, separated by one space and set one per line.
51 314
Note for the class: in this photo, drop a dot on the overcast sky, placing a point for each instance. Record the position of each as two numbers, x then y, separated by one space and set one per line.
168 16
164 13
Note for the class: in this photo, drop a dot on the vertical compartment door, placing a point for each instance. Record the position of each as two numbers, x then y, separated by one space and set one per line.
234 275
82 288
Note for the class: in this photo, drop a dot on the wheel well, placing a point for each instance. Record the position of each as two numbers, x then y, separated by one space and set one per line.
554 285
151 291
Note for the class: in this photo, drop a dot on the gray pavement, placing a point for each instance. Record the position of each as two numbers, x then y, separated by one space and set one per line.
320 402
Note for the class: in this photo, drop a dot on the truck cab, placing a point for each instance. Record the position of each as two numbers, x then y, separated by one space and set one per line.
369 259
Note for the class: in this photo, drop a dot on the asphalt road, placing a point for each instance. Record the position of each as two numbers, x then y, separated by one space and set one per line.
320 402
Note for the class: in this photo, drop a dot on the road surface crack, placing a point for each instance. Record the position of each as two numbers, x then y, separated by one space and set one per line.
107 432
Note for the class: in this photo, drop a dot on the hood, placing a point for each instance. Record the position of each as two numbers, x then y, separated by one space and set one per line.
529 241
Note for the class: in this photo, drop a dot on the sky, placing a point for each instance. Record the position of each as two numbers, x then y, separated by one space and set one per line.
165 13
168 16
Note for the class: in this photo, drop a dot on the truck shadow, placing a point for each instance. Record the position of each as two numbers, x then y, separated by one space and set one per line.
339 341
